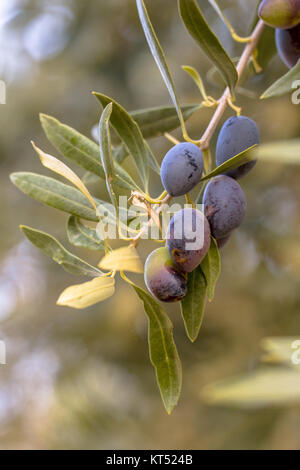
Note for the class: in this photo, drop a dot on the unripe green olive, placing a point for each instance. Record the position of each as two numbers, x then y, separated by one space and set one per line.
280 14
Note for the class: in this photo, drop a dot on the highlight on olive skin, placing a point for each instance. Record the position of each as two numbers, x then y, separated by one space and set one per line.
188 229
281 14
288 45
182 168
237 134
224 205
163 278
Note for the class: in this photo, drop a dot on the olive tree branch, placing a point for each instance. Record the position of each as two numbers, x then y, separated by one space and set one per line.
222 105
223 102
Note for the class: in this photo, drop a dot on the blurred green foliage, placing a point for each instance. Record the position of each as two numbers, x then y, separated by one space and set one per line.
82 379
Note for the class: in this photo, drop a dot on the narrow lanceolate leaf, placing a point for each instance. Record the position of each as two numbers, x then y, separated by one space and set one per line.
51 247
211 267
83 236
106 153
158 55
200 31
55 194
268 386
281 350
130 133
122 259
152 160
194 74
154 122
163 351
90 178
285 84
246 156
81 150
192 306
287 152
61 169
89 293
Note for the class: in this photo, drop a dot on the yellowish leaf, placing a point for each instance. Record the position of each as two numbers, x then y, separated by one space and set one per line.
263 387
61 169
123 259
280 349
87 294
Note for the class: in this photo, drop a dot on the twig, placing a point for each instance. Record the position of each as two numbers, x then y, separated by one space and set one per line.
241 66
223 102
136 240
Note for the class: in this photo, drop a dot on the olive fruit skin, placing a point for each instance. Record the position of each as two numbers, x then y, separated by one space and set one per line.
163 278
288 45
188 238
282 14
237 134
224 205
181 168
221 242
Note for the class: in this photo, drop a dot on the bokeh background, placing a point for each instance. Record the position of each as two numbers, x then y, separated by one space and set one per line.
82 379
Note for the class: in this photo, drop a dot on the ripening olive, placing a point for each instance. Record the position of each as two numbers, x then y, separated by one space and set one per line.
188 238
163 278
282 14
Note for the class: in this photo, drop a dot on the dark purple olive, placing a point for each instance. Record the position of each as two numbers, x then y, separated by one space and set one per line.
238 133
181 169
188 238
224 205
163 278
288 45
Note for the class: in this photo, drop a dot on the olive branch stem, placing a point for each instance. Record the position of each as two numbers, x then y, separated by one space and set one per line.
224 101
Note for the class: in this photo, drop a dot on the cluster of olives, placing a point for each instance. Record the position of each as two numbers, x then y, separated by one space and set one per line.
167 268
284 15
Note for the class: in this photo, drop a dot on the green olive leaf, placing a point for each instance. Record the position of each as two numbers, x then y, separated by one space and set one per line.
285 84
83 236
53 193
81 150
246 156
192 306
159 56
211 267
163 352
106 153
154 122
51 247
200 31
130 133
